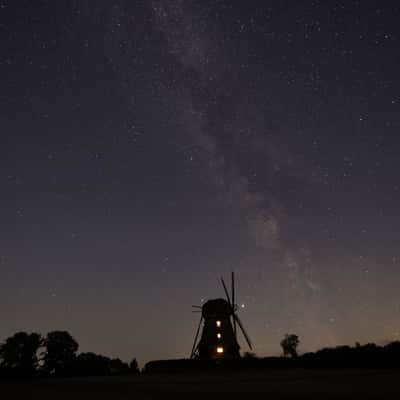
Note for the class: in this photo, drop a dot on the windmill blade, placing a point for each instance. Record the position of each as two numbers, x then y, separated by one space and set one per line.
226 292
233 302
234 327
196 337
233 288
246 336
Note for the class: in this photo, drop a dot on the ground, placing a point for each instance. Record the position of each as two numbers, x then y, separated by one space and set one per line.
295 384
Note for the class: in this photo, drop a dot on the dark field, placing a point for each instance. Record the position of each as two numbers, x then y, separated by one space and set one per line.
294 384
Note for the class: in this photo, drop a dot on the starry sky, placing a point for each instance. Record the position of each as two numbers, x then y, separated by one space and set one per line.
149 147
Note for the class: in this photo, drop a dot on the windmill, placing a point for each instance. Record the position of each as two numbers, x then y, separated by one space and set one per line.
220 322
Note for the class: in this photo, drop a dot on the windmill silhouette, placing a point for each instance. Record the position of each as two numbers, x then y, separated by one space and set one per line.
220 321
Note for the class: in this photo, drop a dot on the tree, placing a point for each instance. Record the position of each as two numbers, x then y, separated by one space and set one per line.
134 367
91 364
60 353
18 354
118 367
289 345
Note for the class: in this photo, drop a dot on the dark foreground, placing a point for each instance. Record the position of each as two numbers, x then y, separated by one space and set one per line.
290 384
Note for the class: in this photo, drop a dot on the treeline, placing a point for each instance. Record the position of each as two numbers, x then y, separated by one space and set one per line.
29 355
359 356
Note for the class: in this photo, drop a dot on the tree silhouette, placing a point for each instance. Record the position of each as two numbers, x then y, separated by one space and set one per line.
289 345
60 353
134 367
91 364
18 354
118 367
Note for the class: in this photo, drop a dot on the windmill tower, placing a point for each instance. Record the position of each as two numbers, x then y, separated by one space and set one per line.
219 334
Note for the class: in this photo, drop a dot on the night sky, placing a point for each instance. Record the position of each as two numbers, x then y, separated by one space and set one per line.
149 147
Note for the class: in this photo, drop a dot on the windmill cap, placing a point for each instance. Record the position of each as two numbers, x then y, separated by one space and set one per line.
216 307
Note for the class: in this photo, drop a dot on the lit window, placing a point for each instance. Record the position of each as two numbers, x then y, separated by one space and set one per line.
220 350
218 323
218 335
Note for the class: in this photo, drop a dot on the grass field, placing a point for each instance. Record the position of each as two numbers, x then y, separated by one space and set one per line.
292 384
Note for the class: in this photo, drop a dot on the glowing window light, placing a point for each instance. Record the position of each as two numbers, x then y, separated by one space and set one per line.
218 335
218 323
220 350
